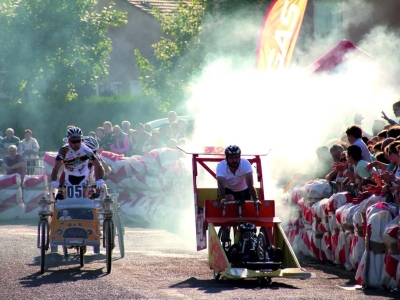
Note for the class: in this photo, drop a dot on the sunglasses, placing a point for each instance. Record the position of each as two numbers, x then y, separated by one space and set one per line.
75 141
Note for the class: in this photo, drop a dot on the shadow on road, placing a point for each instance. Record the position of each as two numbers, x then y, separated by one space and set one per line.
213 286
61 269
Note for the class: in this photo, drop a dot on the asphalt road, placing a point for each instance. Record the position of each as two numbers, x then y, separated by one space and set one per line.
157 265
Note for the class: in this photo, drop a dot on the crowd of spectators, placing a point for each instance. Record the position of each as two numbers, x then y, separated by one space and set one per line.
123 139
22 156
364 163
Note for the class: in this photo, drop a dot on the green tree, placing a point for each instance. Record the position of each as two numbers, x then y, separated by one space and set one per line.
54 50
191 38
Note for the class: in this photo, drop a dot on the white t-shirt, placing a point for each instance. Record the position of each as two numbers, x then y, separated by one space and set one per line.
366 155
236 182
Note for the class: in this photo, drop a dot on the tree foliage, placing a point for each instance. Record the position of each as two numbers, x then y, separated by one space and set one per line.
54 50
190 37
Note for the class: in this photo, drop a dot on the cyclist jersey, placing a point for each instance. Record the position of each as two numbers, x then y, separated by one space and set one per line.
235 182
75 162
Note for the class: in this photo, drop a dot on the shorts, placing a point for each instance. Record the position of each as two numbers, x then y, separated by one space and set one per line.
76 180
241 195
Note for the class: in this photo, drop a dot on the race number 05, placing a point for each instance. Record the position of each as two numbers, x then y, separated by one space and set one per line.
74 191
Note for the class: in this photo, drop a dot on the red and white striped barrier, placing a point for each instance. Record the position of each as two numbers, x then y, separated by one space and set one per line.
35 188
11 205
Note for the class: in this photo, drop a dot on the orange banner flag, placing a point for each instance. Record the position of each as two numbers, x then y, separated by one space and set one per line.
279 34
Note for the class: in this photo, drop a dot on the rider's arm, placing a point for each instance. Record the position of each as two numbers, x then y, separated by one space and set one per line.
250 184
56 168
98 168
221 187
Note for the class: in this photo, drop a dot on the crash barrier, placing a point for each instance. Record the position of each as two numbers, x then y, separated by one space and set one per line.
360 234
152 188
20 200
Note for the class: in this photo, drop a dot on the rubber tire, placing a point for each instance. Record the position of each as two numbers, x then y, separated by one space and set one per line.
267 241
120 233
43 232
107 224
65 251
81 256
263 247
223 237
217 276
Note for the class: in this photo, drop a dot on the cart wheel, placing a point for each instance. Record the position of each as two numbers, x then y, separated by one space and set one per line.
109 238
82 251
43 232
264 281
261 247
65 251
217 275
224 237
120 233
267 241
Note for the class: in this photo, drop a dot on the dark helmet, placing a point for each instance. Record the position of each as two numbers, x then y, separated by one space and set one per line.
232 150
74 132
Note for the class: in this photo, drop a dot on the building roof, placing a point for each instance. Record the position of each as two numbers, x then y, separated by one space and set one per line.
166 7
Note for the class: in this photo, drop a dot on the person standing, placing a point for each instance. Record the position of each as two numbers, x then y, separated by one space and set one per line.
29 149
8 140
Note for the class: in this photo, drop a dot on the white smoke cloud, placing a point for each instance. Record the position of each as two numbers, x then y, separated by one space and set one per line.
291 112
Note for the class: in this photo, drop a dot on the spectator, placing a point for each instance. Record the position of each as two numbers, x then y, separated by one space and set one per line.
14 163
172 117
174 130
382 135
181 124
108 137
182 142
377 127
143 137
172 143
354 157
153 143
93 134
147 128
29 149
100 136
323 169
390 177
393 132
121 141
165 133
354 136
376 148
7 141
133 136
126 126
336 151
396 111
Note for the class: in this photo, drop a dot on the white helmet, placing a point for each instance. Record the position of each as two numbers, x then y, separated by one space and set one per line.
74 132
91 142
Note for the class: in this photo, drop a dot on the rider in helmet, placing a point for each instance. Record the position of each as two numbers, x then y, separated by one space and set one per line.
235 176
75 157
92 143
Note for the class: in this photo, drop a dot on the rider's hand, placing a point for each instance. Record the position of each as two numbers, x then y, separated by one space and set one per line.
99 183
55 184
